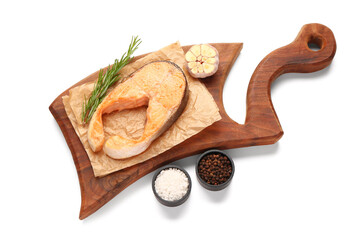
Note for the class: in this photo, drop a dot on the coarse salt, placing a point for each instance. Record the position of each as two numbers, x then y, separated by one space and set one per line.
171 184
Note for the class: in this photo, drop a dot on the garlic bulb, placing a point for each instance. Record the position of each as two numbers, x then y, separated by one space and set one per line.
202 60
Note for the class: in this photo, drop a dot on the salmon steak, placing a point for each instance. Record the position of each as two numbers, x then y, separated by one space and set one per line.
162 87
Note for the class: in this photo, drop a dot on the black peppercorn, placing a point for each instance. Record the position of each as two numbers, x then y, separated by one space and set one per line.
215 169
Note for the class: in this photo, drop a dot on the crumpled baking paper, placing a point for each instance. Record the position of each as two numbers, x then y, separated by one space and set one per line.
201 111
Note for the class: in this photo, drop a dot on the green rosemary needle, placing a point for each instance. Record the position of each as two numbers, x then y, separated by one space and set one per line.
105 80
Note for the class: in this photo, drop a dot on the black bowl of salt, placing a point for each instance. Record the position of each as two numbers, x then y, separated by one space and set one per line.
171 185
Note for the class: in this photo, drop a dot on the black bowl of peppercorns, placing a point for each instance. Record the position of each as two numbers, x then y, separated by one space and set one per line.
214 170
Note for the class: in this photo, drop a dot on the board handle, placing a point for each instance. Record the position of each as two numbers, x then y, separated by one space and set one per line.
297 57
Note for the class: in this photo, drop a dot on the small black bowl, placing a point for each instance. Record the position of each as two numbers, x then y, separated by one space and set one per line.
176 202
210 186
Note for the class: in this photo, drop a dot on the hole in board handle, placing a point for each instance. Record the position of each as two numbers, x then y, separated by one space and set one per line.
315 43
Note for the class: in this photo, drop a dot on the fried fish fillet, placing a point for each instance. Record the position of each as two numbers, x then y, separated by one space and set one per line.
160 85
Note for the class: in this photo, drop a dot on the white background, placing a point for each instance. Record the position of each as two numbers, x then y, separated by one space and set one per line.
306 186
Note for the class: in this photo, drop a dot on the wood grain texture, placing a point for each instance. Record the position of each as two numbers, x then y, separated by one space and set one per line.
261 125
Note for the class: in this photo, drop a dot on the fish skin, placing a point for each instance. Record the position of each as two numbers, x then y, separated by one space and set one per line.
148 85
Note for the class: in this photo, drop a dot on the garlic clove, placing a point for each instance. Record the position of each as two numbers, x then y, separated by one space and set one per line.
207 51
190 57
196 50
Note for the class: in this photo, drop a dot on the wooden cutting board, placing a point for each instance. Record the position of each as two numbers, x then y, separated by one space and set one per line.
261 125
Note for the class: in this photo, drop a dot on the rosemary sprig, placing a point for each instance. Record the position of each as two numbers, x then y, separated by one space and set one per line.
105 80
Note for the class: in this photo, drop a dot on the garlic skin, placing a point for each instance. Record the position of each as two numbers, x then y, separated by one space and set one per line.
202 60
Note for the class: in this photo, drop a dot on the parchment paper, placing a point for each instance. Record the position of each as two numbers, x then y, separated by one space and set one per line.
200 112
